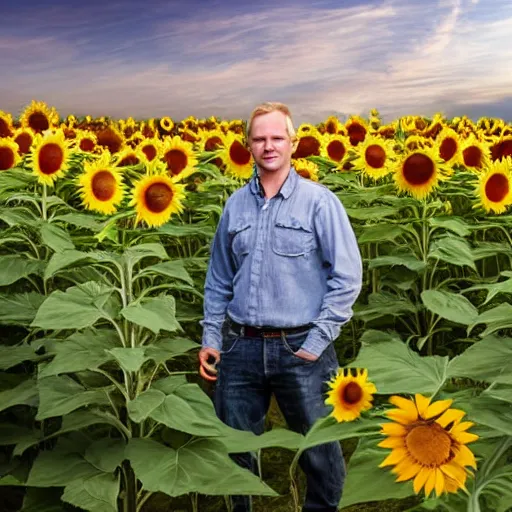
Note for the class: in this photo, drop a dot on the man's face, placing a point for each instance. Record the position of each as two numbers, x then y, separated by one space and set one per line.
270 143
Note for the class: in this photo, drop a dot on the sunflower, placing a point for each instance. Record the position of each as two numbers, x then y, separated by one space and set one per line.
211 140
166 124
149 129
24 137
374 120
156 198
236 157
448 147
86 141
476 155
135 139
335 148
418 172
129 156
305 129
152 148
350 395
501 147
179 157
110 138
236 126
428 443
6 127
415 141
9 156
357 129
49 156
495 186
101 186
435 127
306 169
39 117
375 157
332 125
308 144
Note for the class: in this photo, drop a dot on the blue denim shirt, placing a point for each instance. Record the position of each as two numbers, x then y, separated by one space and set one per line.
283 262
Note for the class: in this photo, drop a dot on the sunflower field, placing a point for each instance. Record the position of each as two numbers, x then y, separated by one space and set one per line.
104 245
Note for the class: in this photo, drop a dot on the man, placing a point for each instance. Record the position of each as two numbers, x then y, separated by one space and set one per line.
284 272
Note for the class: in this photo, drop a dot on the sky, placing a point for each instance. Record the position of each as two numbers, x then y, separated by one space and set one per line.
222 57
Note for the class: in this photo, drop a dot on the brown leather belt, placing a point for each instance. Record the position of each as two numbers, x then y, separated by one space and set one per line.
266 332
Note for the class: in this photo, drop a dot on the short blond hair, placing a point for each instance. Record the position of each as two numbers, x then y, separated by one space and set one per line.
267 108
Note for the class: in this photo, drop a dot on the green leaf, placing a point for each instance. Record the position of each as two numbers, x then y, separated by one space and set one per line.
95 494
456 225
173 269
55 238
491 250
453 250
53 469
372 212
366 481
62 260
76 308
169 384
379 233
15 267
166 349
394 368
489 360
43 500
144 404
450 306
200 466
155 314
19 215
106 454
16 178
504 287
86 350
496 319
19 308
14 434
238 441
406 260
383 304
492 413
81 220
61 395
179 231
134 254
130 359
12 356
23 394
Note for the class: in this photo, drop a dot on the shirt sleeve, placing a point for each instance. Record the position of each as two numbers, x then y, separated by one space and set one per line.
218 289
341 255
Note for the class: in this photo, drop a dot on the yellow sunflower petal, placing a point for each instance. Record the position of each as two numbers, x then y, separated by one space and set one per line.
421 479
450 416
406 405
430 483
392 442
401 416
437 408
393 429
422 403
394 457
439 485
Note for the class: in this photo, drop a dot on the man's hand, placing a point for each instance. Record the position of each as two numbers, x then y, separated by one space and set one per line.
303 354
208 358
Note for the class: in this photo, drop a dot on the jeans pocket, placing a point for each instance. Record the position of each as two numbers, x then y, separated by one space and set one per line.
293 344
229 343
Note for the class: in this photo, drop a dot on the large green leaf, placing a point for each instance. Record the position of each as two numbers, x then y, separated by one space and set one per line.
19 215
19 308
134 254
106 454
379 233
55 238
16 178
61 260
23 394
496 319
453 250
168 348
144 404
179 231
383 304
96 494
493 413
394 368
172 269
238 441
483 250
494 289
81 220
14 434
157 313
456 225
86 350
61 395
489 360
130 359
15 267
43 500
12 356
366 482
372 212
406 260
78 307
451 306
202 465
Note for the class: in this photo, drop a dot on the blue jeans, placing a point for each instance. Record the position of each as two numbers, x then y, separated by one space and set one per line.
250 370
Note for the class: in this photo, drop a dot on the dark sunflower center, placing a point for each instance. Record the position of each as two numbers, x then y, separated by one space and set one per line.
308 146
330 127
86 145
239 154
51 158
129 160
158 197
304 173
448 149
336 150
497 188
176 161
357 133
38 122
472 157
103 185
418 169
24 141
149 151
429 444
375 156
212 143
110 140
6 158
5 131
352 393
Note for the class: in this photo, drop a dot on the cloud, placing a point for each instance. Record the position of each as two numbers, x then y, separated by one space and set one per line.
398 56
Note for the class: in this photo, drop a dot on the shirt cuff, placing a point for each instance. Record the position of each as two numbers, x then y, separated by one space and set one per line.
316 342
212 338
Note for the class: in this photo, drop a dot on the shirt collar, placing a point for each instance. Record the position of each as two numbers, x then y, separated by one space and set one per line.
286 189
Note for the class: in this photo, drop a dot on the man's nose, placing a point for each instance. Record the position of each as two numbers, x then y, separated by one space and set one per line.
268 145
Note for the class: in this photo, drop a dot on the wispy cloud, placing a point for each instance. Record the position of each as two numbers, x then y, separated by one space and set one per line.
398 56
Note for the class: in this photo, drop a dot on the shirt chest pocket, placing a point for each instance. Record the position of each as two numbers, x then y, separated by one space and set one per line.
293 238
241 238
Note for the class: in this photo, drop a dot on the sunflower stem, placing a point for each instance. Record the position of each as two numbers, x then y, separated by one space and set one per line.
44 205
